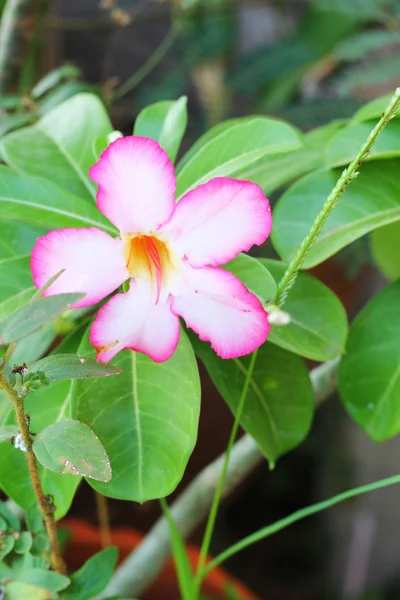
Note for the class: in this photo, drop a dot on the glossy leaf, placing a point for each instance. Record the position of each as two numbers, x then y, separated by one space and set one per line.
71 447
59 145
372 110
346 143
230 147
24 543
254 275
280 401
385 249
93 577
72 366
34 315
275 171
7 432
147 419
370 201
40 202
318 326
369 372
164 122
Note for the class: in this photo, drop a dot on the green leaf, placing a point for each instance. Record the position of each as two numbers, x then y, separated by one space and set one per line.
49 580
93 577
102 142
372 200
255 276
164 122
17 590
40 202
9 516
34 315
147 419
369 372
372 110
181 559
280 402
34 345
229 147
53 78
6 546
71 366
16 284
275 171
7 432
24 543
347 142
385 249
17 239
70 446
318 333
59 146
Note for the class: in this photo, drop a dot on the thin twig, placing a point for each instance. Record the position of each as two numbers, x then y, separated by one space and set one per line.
46 509
12 31
190 509
103 518
347 176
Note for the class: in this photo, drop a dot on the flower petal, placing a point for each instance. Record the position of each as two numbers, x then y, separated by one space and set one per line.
93 261
217 220
134 320
222 311
136 184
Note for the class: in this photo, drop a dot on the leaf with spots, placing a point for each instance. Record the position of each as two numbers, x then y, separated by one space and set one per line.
70 447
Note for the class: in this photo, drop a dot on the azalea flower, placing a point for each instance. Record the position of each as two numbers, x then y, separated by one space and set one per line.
169 252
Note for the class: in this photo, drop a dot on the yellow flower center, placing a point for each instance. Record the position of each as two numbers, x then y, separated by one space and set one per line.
147 256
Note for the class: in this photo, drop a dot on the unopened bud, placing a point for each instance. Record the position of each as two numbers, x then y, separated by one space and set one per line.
277 316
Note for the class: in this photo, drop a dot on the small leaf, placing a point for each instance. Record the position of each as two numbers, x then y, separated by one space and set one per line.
34 519
49 580
16 590
6 545
181 559
7 432
369 372
254 275
71 447
31 317
93 577
9 516
70 366
372 110
164 122
53 78
24 543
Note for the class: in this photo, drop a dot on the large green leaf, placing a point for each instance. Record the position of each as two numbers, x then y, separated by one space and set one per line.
274 171
164 122
255 276
372 110
71 366
280 401
16 287
93 577
17 239
318 325
146 418
370 201
231 146
346 143
59 145
40 202
369 372
385 249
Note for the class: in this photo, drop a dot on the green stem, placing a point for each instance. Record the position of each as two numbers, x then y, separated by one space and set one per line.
296 516
149 65
47 511
221 482
347 176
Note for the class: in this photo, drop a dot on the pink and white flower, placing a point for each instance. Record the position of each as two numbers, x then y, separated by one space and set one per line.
169 252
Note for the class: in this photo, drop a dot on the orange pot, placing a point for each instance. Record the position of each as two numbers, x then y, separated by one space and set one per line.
85 541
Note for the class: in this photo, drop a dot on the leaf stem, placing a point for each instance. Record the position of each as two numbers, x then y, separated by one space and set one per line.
46 509
221 482
296 516
346 177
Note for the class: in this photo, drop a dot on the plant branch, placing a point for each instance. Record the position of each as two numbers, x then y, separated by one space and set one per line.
190 509
12 31
347 176
46 510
